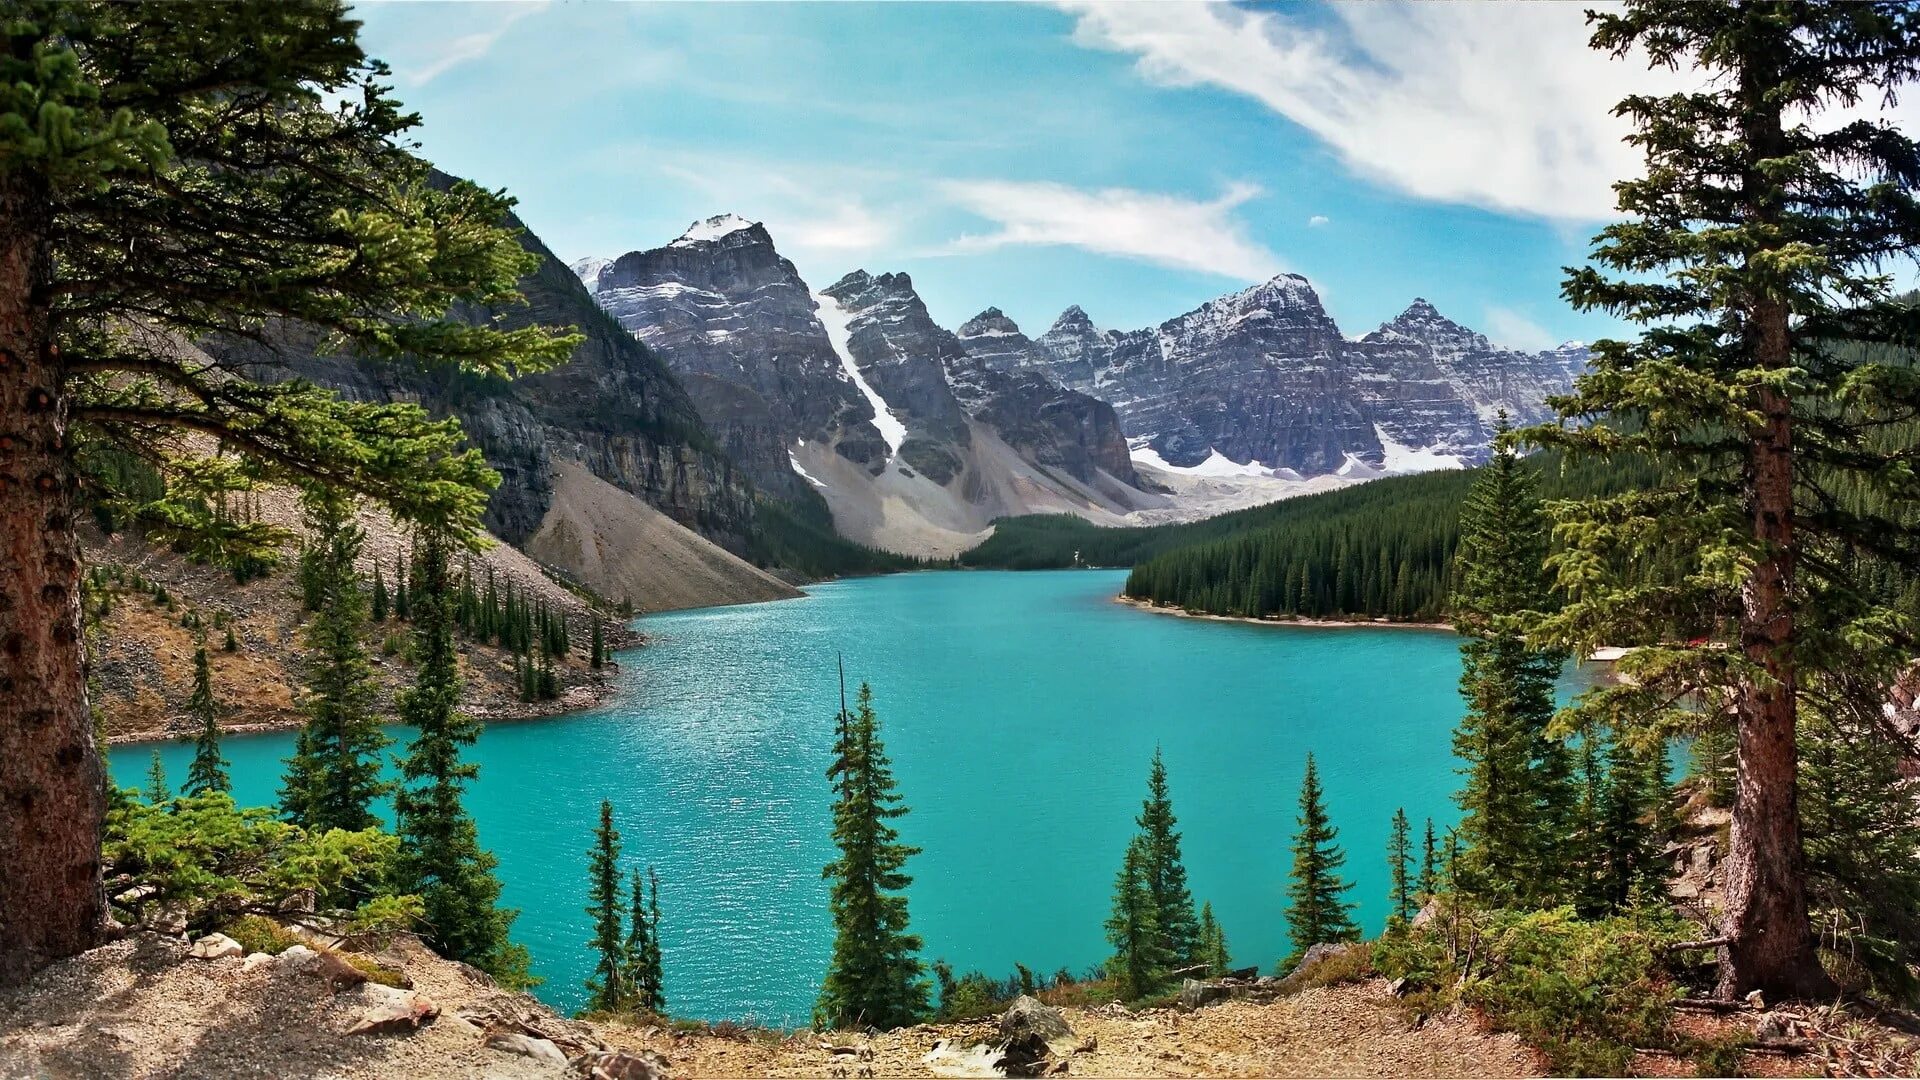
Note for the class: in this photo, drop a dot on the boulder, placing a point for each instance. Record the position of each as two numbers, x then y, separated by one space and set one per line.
1320 954
256 961
1033 1037
513 1042
623 1065
1427 913
1195 992
389 1011
215 946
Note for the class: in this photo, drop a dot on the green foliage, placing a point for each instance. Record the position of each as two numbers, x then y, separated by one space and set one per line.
645 973
874 978
208 772
597 645
1212 944
1317 909
260 934
1141 956
1428 883
1518 802
1400 894
333 776
1166 874
375 971
606 987
1585 992
378 610
213 861
441 857
156 792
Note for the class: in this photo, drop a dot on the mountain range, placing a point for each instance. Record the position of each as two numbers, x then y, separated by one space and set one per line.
917 437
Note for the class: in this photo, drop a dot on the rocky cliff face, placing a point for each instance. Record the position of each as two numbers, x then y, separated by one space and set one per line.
1003 380
1264 375
737 324
614 407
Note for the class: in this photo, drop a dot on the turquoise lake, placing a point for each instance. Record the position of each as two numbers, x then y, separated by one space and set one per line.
1020 709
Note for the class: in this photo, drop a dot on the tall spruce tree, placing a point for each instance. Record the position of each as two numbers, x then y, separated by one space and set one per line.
649 970
1317 909
208 771
1754 245
1518 799
1166 873
1213 944
440 857
1141 958
1400 895
333 776
170 173
874 979
380 603
607 988
1429 881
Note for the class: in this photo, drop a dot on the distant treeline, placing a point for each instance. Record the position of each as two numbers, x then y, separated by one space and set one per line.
799 537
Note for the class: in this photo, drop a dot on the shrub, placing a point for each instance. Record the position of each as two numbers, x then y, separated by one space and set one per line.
257 933
375 971
1350 964
1585 992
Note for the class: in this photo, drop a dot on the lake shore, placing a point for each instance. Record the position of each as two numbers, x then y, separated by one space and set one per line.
1301 623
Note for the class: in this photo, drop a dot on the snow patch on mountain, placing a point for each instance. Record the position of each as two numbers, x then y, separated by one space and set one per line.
712 228
1400 458
1216 465
834 319
588 271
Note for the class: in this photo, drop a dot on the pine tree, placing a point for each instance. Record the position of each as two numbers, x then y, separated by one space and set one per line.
1141 958
1166 874
232 644
1518 800
635 950
379 612
1317 911
597 647
1429 886
607 988
333 776
1756 238
874 978
1213 944
1400 867
1630 820
157 793
440 858
650 975
197 171
208 772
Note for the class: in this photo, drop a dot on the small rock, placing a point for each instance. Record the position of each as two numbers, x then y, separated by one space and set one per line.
1772 1026
1195 993
393 1011
1427 913
623 1065
513 1042
256 961
1756 1001
215 946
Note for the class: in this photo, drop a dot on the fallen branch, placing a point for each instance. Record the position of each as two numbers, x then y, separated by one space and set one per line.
1703 943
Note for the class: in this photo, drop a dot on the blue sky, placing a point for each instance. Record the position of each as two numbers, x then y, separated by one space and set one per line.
1136 159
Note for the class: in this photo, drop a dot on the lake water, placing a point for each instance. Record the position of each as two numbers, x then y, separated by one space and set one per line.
1020 709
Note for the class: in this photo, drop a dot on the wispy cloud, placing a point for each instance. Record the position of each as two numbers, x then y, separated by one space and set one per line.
446 55
1316 221
1495 105
1508 327
1169 230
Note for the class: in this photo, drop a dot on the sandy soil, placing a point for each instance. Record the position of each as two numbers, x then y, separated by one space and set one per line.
622 548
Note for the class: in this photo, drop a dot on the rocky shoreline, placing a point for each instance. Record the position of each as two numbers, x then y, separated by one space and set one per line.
1300 623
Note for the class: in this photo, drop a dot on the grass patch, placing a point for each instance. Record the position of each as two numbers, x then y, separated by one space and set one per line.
375 971
1352 964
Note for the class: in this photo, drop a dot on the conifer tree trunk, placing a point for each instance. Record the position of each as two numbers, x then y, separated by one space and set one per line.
52 790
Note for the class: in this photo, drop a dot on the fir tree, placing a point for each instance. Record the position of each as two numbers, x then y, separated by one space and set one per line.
1213 944
1630 822
440 858
379 611
874 978
333 776
1141 958
1429 886
597 647
208 772
1317 909
1166 874
1755 240
649 980
607 987
1518 800
157 792
1400 868
232 644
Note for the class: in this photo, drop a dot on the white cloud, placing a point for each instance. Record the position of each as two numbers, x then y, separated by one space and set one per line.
1316 221
455 51
1495 105
1508 327
1169 230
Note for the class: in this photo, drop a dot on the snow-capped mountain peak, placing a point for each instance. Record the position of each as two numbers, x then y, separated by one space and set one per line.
713 228
588 270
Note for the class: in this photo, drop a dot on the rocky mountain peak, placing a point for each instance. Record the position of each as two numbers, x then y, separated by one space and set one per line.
720 227
588 270
1422 322
990 323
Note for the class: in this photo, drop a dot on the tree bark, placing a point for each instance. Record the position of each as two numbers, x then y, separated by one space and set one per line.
52 786
1770 945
